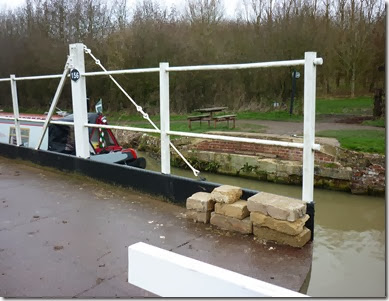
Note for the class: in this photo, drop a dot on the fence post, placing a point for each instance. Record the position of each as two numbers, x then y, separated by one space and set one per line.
80 110
309 125
15 105
164 116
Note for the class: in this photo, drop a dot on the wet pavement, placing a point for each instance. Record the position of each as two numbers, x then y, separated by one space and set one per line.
64 235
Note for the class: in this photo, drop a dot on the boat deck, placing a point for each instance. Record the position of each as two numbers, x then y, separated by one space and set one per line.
64 235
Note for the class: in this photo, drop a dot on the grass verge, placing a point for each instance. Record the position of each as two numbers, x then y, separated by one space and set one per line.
370 141
378 122
352 106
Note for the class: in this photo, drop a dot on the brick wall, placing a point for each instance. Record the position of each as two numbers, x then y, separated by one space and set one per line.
279 152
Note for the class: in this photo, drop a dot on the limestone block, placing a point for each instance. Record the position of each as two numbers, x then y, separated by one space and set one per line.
226 194
341 173
197 216
297 241
236 210
268 165
289 168
200 201
244 226
277 206
291 228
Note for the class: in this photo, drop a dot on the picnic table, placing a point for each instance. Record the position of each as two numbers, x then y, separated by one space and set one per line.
211 110
208 116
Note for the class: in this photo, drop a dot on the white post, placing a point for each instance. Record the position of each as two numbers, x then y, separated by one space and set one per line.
165 117
309 125
80 110
15 105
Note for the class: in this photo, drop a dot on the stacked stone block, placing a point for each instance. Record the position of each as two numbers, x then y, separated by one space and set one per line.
279 219
268 216
199 207
231 212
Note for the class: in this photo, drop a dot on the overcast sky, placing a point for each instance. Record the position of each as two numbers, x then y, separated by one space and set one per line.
229 5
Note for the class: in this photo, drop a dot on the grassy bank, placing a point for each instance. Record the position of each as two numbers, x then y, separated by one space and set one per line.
351 106
369 141
378 122
324 106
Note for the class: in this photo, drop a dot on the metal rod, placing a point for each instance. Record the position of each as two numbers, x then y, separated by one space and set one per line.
53 104
293 92
15 106
62 122
38 77
126 128
238 66
38 120
239 139
318 61
124 71
58 122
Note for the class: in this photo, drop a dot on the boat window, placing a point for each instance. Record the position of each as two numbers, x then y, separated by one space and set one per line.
95 138
25 133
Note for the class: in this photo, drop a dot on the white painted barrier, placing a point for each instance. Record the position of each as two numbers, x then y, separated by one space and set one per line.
168 274
76 56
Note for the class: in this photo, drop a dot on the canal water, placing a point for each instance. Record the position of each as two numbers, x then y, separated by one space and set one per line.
349 245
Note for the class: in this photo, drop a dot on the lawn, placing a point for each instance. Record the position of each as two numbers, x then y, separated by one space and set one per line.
352 106
370 141
378 122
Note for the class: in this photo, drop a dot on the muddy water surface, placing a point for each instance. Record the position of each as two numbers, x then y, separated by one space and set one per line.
349 245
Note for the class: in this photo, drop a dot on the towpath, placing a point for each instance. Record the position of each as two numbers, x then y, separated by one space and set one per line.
63 235
297 128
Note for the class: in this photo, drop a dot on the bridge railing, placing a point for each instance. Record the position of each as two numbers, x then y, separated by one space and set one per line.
76 62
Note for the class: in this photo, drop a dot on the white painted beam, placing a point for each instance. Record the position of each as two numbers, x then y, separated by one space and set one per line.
309 125
165 117
243 139
168 274
238 66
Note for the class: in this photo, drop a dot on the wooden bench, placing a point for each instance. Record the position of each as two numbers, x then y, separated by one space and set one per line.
203 117
225 118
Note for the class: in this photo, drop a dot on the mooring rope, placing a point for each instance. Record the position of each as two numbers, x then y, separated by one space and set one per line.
140 109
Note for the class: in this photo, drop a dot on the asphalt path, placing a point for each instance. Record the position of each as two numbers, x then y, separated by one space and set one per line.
64 235
297 128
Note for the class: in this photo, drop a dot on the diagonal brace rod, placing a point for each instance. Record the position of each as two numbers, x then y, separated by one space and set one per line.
54 103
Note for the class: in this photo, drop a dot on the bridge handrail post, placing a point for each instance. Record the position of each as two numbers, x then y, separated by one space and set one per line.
15 106
309 125
164 117
80 110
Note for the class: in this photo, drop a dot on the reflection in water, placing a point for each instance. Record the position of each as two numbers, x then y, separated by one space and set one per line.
349 245
348 263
